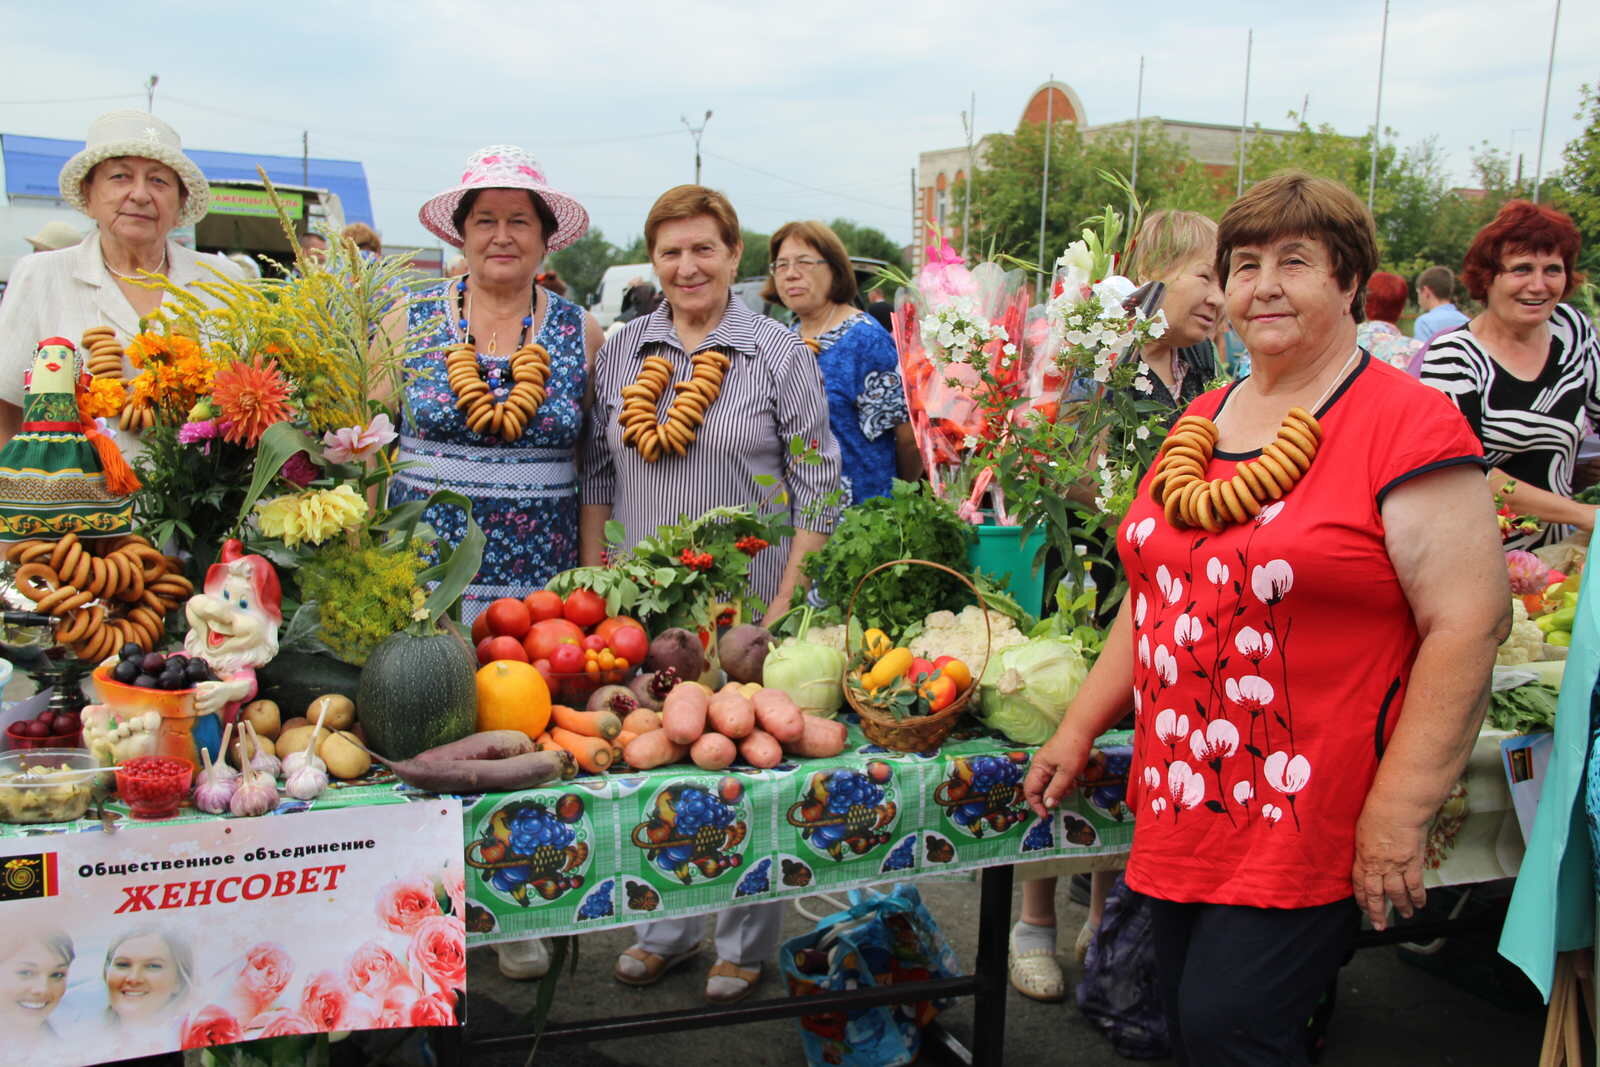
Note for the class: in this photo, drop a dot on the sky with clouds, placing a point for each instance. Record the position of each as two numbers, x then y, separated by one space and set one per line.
819 109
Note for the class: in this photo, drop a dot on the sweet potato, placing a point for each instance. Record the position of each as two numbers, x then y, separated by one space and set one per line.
761 749
730 713
642 720
778 715
525 771
653 749
487 744
712 752
822 738
683 713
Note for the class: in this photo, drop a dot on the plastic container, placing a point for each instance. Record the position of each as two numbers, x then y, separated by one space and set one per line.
45 784
1000 550
154 787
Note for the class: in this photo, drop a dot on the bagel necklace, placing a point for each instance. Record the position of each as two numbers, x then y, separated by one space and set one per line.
530 369
649 436
1189 501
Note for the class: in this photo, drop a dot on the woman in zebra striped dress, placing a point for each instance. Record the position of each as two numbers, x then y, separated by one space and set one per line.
1526 371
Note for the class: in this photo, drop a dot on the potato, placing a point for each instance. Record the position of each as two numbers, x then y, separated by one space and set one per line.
234 753
712 752
294 739
290 724
345 759
263 716
653 749
340 711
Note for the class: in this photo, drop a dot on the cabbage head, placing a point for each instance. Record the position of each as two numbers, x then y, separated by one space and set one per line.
811 673
1026 688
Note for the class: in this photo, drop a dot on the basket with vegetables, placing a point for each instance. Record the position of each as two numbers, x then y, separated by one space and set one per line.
907 703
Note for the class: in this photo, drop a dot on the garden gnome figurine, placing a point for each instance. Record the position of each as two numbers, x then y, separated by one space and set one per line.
233 626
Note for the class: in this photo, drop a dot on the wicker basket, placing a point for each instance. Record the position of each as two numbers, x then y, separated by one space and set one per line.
917 733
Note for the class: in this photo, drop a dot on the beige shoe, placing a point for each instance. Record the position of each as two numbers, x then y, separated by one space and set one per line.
728 983
637 967
1080 948
1036 974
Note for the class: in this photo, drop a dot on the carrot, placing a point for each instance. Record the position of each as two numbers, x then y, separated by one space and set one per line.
588 723
592 753
543 743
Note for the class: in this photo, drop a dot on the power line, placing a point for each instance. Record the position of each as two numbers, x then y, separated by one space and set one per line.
803 185
69 100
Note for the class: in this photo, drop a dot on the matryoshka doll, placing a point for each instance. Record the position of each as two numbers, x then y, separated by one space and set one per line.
60 474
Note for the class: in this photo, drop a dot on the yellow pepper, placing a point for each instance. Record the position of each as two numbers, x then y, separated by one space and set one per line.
890 666
877 644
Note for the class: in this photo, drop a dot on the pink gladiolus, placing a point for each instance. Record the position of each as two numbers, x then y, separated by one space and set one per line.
209 1026
403 905
439 951
455 887
357 442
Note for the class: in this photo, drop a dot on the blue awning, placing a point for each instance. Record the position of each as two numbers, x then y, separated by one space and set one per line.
32 164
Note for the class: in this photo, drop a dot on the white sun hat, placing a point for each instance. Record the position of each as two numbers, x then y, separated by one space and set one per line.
53 235
504 166
137 134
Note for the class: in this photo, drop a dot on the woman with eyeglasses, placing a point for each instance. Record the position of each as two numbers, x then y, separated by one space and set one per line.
812 277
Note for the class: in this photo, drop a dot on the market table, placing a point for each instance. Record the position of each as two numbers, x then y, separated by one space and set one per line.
676 841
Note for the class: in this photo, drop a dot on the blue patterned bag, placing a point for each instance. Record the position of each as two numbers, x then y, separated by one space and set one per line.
881 939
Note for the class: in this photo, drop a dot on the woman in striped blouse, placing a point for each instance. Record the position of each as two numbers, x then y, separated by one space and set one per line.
771 393
1525 372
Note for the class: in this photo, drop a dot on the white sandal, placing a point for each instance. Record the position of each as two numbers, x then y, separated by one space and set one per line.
1036 974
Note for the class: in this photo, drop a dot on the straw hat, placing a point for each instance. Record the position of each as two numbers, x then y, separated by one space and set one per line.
53 235
136 134
504 166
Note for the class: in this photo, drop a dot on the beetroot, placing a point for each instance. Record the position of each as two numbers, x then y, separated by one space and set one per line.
651 688
679 649
615 698
743 650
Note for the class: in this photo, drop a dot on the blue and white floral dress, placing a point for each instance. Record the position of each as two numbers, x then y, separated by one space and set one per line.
866 401
525 492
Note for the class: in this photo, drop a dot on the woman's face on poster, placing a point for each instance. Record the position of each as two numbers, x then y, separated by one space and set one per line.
32 980
141 978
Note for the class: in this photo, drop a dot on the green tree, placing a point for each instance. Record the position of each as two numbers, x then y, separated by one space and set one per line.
868 241
1580 178
581 264
753 264
1005 191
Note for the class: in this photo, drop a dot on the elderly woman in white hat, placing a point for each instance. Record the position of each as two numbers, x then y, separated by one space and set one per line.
134 181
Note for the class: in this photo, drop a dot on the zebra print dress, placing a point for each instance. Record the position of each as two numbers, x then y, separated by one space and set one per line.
1529 429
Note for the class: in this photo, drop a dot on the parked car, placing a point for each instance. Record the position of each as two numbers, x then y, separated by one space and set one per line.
607 302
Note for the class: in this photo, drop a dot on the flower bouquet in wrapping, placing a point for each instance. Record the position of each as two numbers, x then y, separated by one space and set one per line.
258 422
959 332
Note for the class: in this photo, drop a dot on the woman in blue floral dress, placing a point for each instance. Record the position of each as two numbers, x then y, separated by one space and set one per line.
811 275
524 492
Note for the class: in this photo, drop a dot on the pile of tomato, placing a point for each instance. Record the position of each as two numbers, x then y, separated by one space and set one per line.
572 642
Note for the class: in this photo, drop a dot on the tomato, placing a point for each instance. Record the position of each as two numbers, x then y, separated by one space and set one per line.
594 643
939 692
630 643
566 659
480 629
544 636
542 604
584 608
500 647
919 669
508 617
616 622
543 667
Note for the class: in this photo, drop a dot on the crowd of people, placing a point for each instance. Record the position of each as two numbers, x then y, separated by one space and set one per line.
1369 465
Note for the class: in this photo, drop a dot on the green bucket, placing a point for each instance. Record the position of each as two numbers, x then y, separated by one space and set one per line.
1000 550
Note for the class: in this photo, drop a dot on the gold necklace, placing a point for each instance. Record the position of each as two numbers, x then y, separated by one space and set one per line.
646 434
1190 501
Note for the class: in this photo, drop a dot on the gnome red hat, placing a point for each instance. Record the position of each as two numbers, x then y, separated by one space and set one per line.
263 578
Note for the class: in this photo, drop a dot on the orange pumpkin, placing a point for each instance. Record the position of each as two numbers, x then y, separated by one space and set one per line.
512 695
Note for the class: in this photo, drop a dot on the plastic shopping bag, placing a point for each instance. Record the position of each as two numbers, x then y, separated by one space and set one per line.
881 939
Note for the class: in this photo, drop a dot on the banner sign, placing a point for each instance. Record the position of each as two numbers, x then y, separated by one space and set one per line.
157 938
233 200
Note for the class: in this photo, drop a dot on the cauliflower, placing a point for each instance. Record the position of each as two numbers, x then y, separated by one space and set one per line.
946 633
1525 643
831 636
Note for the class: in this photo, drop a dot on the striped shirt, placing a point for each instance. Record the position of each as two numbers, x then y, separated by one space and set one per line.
772 393
1529 429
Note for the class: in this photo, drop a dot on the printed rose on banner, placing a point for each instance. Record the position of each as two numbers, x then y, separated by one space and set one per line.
455 889
327 1002
263 976
436 1010
397 1005
280 1022
439 951
374 970
403 905
210 1026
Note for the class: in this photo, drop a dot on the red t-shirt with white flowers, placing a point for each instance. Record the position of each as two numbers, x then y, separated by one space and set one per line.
1271 659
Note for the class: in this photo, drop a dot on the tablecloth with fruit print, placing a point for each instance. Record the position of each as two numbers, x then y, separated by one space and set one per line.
678 841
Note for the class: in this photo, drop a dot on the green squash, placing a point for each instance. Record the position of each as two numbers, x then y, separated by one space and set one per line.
417 693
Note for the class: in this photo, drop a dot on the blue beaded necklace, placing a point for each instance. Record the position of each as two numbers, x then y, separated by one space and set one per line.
464 306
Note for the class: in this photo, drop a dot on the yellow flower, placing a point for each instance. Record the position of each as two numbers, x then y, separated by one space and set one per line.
312 516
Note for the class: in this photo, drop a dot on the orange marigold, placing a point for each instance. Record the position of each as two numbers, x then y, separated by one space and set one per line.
250 397
103 398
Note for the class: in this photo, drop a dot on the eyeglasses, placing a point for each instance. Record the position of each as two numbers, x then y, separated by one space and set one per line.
781 266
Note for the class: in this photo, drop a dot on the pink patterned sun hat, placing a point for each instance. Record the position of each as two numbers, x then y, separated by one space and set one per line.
504 166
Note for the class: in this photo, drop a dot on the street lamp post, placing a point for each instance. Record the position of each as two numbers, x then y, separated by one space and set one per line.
150 93
696 132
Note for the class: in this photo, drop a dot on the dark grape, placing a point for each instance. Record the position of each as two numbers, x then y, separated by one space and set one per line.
145 681
153 662
64 722
198 670
132 651
126 670
178 659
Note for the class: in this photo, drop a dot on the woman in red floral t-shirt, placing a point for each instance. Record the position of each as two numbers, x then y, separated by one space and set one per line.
1316 592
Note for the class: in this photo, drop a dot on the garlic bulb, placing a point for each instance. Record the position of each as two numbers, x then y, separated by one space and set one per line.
220 769
307 782
260 759
256 794
302 758
212 796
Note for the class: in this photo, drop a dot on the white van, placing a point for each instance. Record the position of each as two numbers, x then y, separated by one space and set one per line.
613 284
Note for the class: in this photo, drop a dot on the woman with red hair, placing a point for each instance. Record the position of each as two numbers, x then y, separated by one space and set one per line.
1525 372
1380 333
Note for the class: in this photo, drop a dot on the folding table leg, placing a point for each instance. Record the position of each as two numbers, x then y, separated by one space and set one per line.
989 1003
